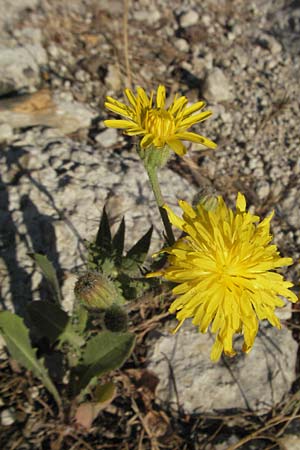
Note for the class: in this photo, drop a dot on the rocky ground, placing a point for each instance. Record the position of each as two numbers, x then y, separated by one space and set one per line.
59 165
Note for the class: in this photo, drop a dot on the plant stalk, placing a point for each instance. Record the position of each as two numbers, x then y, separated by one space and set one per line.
152 174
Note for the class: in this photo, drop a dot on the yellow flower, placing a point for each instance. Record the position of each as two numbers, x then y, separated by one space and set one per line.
159 125
224 267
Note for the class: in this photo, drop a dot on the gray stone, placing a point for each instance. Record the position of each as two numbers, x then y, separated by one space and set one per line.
189 18
257 381
263 190
7 417
11 9
147 15
217 87
41 108
182 45
113 77
268 41
6 132
20 67
108 137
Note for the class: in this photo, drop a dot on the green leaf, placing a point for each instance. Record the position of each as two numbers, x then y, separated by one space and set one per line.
139 251
105 392
103 238
104 352
16 336
49 273
52 322
118 239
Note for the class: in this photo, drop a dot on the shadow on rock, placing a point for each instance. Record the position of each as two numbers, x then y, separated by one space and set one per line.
41 232
19 279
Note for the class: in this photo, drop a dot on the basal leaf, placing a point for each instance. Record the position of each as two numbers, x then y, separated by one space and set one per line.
118 239
104 352
49 319
103 238
139 251
52 322
16 336
49 273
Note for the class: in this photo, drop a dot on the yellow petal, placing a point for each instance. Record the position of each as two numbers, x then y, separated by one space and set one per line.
147 140
194 137
216 350
131 97
118 123
161 96
177 146
241 202
193 108
191 120
174 219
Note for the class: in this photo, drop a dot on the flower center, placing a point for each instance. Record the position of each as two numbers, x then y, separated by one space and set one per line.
160 123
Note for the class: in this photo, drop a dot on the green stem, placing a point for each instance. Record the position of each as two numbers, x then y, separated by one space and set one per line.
152 174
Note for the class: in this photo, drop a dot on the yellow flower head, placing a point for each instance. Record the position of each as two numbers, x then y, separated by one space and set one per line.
224 267
159 125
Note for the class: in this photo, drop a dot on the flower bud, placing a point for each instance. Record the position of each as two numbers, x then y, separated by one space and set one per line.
96 291
155 158
116 319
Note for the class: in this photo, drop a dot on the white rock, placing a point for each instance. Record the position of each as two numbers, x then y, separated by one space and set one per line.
19 67
258 380
206 19
10 10
149 16
43 109
189 18
263 190
113 77
6 132
217 87
72 116
108 137
7 417
182 45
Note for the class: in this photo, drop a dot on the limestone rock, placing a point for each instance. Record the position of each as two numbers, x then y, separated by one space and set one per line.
42 108
257 381
21 59
189 18
217 87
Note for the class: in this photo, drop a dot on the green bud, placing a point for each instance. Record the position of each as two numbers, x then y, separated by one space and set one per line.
95 291
154 157
116 319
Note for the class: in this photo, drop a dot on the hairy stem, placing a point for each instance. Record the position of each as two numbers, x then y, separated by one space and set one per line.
152 174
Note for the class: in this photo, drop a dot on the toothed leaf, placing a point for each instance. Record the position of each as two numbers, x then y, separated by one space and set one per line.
139 251
49 273
16 336
103 239
52 322
118 240
104 352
